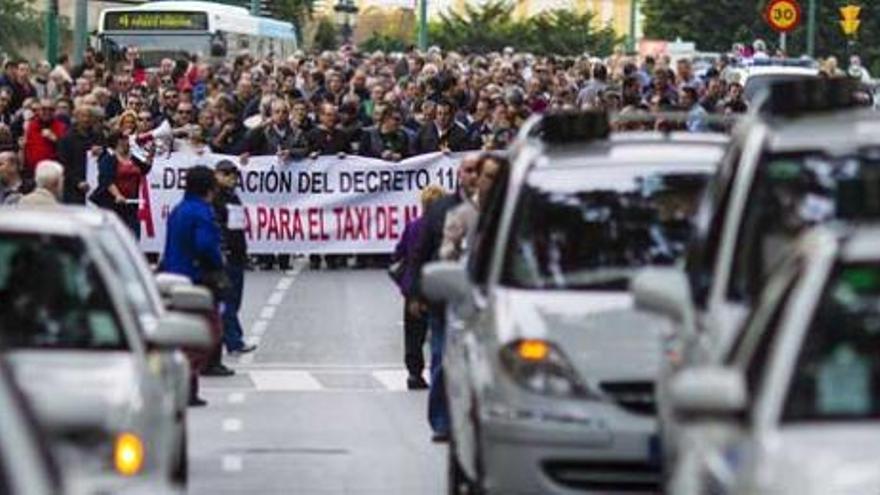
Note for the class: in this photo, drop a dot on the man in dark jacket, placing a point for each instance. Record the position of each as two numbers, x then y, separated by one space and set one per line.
427 250
278 137
327 138
386 140
443 134
232 138
192 247
230 216
73 151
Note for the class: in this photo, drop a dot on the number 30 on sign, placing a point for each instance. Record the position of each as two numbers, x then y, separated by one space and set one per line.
783 15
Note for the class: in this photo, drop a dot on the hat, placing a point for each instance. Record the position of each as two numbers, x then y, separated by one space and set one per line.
226 166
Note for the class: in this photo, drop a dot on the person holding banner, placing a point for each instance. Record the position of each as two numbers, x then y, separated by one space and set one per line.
444 133
119 181
386 140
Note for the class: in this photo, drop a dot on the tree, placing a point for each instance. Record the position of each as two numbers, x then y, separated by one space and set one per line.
326 36
491 28
716 25
382 42
296 12
19 26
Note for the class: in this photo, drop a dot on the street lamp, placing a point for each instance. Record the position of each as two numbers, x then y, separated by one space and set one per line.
346 18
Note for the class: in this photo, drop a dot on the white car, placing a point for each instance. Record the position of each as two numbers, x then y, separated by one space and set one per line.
79 348
756 79
794 407
780 175
549 373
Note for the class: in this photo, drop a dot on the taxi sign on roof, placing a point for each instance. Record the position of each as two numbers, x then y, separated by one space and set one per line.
783 15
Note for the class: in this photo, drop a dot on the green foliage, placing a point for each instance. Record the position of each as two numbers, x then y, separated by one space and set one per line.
383 42
491 28
716 25
326 36
297 12
20 25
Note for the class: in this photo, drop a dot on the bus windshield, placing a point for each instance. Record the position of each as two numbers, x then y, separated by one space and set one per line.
156 46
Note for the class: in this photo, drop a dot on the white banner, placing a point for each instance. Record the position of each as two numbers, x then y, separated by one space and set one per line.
328 205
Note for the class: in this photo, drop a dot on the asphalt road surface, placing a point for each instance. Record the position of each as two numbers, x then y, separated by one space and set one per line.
322 406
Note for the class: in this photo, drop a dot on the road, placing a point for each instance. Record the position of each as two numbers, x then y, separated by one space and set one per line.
322 406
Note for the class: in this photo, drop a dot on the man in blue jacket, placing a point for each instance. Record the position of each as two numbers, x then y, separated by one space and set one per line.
192 248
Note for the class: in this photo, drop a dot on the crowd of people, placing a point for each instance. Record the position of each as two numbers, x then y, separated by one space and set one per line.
388 106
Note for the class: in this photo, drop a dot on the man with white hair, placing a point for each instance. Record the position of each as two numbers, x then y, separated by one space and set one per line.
49 177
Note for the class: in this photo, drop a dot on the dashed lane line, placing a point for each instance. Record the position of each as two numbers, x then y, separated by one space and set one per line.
232 425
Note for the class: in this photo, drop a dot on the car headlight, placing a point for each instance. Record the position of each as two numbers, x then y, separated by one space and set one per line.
540 367
128 454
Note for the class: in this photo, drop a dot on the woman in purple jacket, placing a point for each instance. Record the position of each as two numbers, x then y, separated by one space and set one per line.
415 318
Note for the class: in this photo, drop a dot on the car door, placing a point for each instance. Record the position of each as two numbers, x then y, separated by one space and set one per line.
733 446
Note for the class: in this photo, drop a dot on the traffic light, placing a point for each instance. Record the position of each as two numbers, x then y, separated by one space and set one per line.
850 19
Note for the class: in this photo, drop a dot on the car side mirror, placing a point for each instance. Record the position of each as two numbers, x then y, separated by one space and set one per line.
167 281
191 299
665 291
708 393
445 282
181 330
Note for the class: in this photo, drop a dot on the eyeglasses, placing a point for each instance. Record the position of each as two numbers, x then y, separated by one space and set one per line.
185 112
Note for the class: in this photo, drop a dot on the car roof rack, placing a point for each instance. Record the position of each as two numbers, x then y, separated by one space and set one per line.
806 96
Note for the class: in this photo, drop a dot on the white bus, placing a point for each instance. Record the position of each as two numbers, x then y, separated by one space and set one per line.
179 29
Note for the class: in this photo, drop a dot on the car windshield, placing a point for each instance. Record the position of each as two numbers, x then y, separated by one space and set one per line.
53 296
837 376
594 237
793 192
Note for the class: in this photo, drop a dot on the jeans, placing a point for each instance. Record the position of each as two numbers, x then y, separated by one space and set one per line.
232 331
438 410
415 329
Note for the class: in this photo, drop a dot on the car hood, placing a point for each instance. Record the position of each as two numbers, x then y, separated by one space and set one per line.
72 390
597 331
819 459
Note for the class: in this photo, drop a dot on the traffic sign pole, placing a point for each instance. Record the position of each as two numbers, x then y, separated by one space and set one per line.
811 29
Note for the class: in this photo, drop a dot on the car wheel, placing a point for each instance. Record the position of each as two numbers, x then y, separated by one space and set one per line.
180 475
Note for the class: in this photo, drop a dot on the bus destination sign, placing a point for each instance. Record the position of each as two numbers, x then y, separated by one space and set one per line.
155 21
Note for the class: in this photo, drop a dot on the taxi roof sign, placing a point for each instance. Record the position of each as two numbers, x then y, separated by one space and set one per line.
566 127
783 15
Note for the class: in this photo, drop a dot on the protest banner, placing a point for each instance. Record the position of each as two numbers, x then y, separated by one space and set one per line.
328 205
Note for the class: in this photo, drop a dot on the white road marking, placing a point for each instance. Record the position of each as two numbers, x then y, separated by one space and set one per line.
259 327
284 284
276 298
268 312
232 463
284 380
232 425
236 398
394 380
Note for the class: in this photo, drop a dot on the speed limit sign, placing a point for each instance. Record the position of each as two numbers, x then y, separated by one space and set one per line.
783 15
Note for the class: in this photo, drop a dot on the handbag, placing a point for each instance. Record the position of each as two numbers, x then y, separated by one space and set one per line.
396 270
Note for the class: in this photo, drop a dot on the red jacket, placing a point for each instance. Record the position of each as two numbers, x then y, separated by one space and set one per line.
36 147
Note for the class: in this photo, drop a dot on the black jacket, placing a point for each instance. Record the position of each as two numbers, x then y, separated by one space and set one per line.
268 141
428 245
234 243
429 140
327 142
374 143
73 153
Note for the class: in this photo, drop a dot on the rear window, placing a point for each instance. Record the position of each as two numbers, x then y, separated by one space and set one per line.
53 296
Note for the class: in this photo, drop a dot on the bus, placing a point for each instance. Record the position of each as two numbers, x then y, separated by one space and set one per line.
181 29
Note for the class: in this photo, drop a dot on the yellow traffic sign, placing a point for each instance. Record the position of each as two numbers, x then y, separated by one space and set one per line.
850 23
